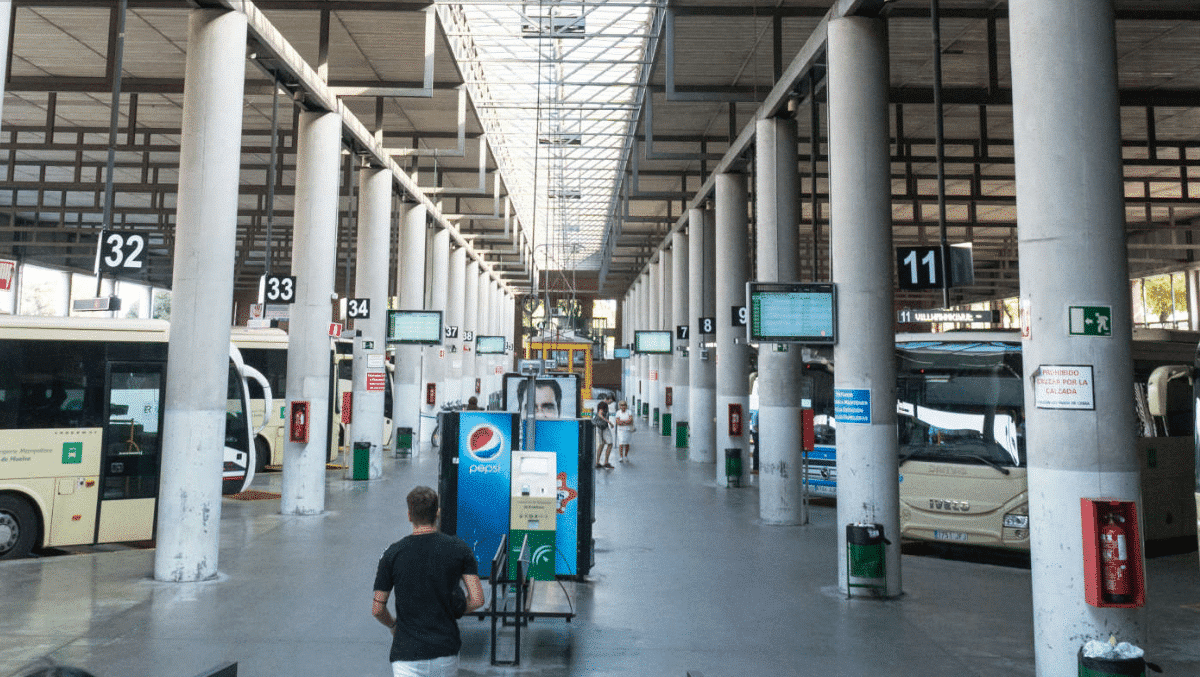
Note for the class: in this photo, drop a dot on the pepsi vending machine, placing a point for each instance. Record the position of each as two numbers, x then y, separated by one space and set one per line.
475 484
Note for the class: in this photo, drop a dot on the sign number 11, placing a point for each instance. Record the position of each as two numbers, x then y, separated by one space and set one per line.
920 267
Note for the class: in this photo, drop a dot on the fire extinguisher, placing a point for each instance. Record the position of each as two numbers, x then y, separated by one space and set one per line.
1114 560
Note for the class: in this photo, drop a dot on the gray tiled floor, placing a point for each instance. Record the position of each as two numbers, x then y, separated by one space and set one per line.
686 578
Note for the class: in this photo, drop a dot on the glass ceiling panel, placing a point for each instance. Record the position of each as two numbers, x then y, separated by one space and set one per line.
556 86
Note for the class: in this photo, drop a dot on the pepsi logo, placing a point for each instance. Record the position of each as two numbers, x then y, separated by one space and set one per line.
485 442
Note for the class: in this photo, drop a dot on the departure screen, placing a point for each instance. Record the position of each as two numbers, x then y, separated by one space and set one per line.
414 326
792 313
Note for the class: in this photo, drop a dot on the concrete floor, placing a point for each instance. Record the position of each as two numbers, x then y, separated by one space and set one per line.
686 580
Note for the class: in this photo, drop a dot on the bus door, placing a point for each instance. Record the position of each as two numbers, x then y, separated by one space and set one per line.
132 451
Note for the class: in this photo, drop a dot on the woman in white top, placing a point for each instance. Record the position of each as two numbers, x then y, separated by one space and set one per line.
624 422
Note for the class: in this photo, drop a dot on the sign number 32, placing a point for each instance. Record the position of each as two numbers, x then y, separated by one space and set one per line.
121 251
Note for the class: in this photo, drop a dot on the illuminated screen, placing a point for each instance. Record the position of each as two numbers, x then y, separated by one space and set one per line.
414 326
653 342
620 353
783 312
489 345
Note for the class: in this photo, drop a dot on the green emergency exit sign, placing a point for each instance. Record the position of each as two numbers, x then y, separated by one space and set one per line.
1089 320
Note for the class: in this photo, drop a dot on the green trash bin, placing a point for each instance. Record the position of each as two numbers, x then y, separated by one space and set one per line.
404 440
681 435
1111 667
362 461
733 467
666 424
866 556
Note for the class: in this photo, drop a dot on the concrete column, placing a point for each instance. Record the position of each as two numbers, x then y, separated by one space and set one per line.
314 247
471 324
5 26
455 312
487 364
679 311
647 320
702 367
777 180
371 282
409 393
732 272
189 500
861 238
1070 198
666 322
436 357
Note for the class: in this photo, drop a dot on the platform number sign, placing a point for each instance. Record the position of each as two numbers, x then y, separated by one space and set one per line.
121 251
451 331
681 332
359 309
919 267
740 316
708 325
468 335
280 289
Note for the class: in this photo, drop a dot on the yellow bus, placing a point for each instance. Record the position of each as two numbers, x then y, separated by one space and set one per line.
81 413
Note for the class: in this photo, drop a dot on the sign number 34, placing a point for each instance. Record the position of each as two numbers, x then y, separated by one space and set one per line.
121 251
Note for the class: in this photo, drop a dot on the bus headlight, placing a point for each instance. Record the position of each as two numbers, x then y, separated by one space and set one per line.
1016 521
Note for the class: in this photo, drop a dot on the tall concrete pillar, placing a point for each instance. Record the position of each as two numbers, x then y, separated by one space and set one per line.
471 325
732 273
777 182
189 501
666 322
486 364
679 311
455 312
1070 198
314 248
702 367
644 323
861 239
371 282
409 387
436 357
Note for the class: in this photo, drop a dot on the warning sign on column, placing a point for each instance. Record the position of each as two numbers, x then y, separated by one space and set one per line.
1064 387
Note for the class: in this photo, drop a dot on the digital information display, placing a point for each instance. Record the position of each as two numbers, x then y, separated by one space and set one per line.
620 353
414 326
653 342
787 312
489 345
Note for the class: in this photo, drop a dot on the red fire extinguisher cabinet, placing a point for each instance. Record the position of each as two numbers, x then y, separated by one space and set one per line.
1096 513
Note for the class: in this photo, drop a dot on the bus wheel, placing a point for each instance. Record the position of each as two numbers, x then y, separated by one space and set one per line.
262 455
18 527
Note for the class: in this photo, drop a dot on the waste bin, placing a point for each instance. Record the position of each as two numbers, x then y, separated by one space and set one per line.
361 463
1113 667
733 467
404 441
681 435
666 424
866 557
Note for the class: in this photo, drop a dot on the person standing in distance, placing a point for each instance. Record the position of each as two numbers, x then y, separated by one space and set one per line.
604 432
625 428
425 570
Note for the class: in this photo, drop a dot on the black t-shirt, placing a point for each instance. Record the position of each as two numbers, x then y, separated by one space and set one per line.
602 408
423 571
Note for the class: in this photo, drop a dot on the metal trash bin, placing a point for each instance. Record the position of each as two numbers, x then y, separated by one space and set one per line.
361 461
404 442
681 434
866 557
733 467
666 424
1114 667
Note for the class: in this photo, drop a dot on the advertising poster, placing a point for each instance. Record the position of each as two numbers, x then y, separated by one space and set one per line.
485 446
557 395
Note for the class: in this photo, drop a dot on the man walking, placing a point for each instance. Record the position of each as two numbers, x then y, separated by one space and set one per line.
604 432
425 570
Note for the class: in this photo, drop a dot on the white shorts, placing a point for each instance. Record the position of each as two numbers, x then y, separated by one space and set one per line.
445 666
604 435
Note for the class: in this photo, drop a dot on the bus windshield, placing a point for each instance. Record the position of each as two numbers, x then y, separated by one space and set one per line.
961 402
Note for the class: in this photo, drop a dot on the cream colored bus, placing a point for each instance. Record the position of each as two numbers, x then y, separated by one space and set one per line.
960 406
81 415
